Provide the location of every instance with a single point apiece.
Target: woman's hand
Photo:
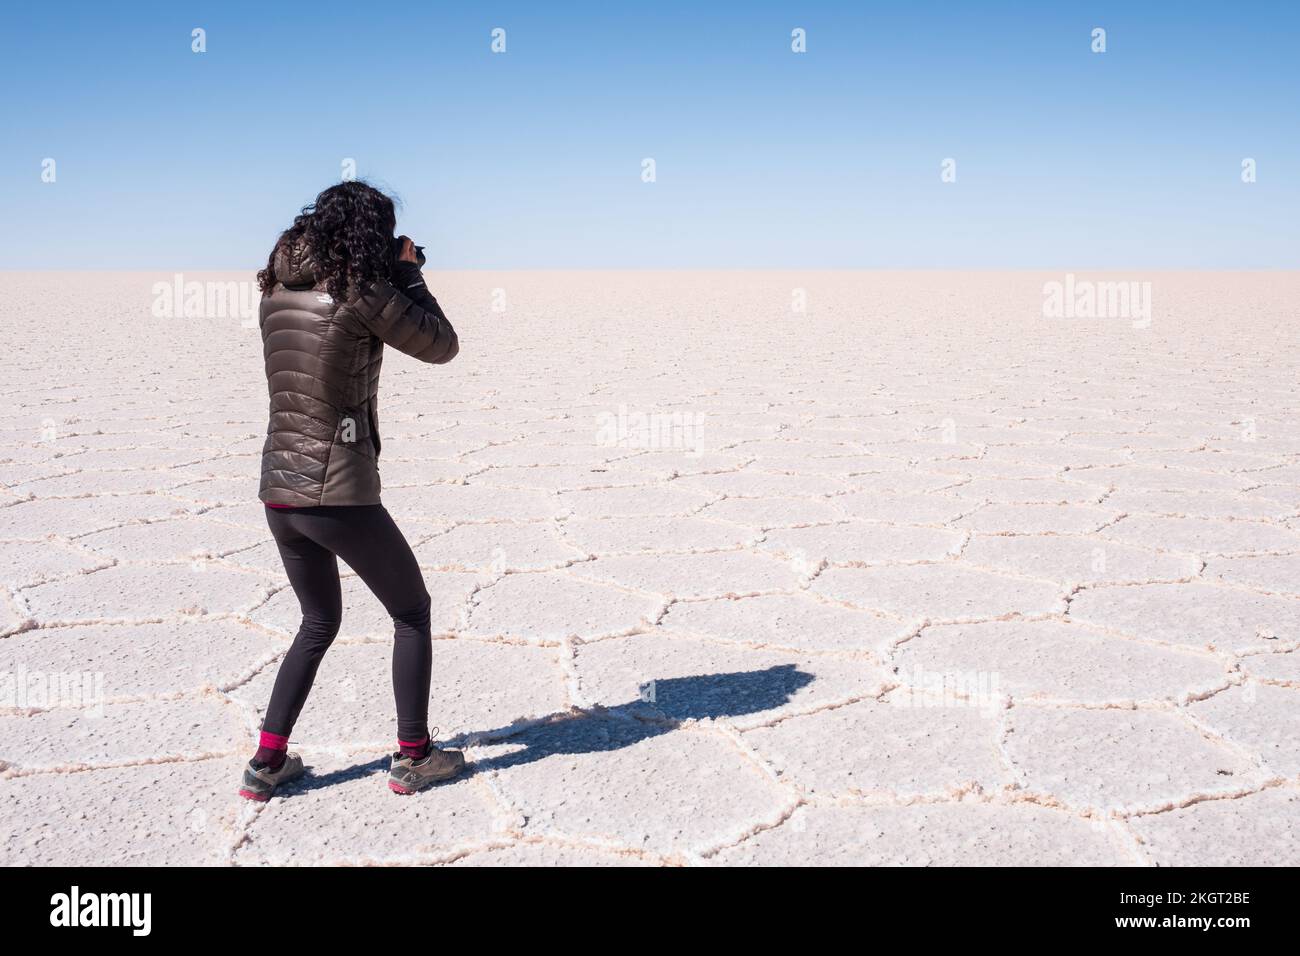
(408, 251)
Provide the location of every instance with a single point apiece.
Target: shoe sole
(256, 797)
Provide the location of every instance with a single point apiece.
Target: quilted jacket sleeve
(405, 315)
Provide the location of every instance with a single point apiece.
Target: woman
(337, 286)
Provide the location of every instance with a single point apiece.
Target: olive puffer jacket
(322, 370)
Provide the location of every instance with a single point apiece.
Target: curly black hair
(349, 232)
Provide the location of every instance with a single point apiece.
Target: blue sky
(167, 159)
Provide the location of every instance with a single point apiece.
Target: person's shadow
(663, 705)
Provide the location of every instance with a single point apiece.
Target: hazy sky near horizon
(764, 158)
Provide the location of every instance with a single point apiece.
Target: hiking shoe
(260, 784)
(409, 774)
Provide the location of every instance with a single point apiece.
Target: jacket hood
(295, 264)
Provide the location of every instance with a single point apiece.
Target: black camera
(397, 251)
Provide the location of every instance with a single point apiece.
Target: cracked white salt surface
(884, 490)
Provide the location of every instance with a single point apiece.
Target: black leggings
(310, 541)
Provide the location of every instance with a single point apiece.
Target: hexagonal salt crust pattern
(916, 576)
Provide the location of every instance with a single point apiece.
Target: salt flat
(914, 575)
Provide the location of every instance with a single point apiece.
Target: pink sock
(417, 750)
(271, 750)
